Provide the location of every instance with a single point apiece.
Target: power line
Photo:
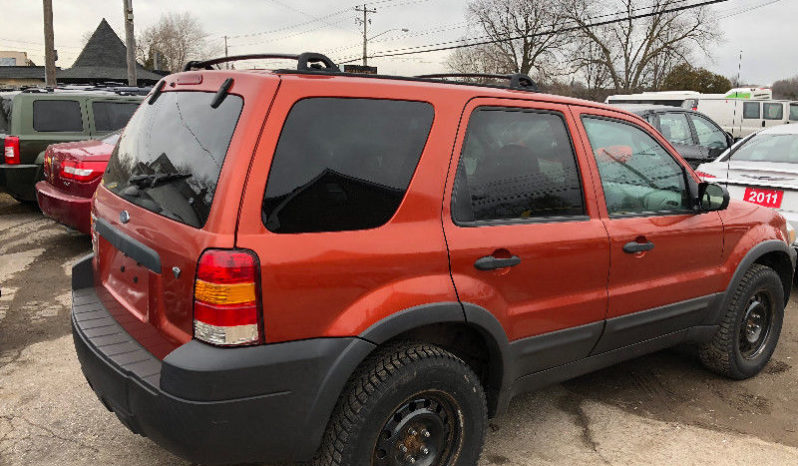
(444, 46)
(746, 10)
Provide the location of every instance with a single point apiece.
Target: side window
(751, 111)
(793, 112)
(516, 164)
(344, 164)
(675, 128)
(111, 116)
(773, 111)
(708, 134)
(50, 116)
(637, 174)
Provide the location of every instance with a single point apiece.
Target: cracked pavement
(658, 409)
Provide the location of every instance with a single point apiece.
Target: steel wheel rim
(424, 430)
(755, 325)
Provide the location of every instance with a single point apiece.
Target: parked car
(743, 117)
(761, 169)
(33, 119)
(697, 138)
(72, 172)
(362, 269)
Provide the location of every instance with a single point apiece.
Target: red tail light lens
(226, 298)
(704, 175)
(11, 150)
(81, 170)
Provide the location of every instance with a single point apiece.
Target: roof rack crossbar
(307, 61)
(516, 80)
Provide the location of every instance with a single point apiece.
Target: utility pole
(227, 64)
(366, 22)
(130, 43)
(49, 45)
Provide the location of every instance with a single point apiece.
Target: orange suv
(311, 265)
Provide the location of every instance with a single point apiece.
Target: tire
(397, 408)
(750, 328)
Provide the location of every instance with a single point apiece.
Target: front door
(666, 258)
(524, 243)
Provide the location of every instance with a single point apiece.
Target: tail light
(80, 170)
(11, 150)
(704, 175)
(226, 299)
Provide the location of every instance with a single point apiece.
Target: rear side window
(5, 115)
(793, 112)
(751, 110)
(111, 116)
(515, 165)
(344, 164)
(773, 111)
(170, 155)
(52, 116)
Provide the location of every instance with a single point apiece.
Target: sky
(763, 34)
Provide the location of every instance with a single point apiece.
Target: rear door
(171, 190)
(525, 239)
(665, 258)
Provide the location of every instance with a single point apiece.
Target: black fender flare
(749, 259)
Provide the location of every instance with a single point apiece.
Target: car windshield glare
(777, 148)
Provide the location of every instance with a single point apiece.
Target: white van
(741, 117)
(670, 98)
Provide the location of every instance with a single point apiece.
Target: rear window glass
(773, 111)
(52, 116)
(777, 148)
(344, 164)
(169, 158)
(110, 116)
(5, 115)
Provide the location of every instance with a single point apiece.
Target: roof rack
(307, 61)
(516, 80)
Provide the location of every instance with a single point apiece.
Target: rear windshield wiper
(156, 179)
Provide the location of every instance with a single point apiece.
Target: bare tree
(639, 53)
(518, 29)
(176, 38)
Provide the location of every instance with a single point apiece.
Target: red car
(309, 265)
(72, 172)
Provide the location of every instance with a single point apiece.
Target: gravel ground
(659, 409)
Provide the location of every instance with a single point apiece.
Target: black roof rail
(516, 80)
(307, 61)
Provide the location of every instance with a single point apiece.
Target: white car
(761, 169)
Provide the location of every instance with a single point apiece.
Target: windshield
(778, 148)
(112, 138)
(169, 158)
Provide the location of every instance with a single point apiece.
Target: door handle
(633, 247)
(493, 263)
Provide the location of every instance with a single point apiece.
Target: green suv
(31, 120)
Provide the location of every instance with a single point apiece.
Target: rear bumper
(19, 180)
(72, 211)
(207, 404)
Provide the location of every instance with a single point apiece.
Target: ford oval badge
(124, 216)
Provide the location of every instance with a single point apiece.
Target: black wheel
(409, 404)
(750, 328)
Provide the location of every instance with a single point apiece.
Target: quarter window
(751, 110)
(344, 164)
(516, 164)
(773, 111)
(57, 116)
(637, 174)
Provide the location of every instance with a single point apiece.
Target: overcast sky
(765, 34)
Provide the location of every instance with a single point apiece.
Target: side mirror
(712, 197)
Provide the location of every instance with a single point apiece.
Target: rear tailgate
(149, 230)
(772, 185)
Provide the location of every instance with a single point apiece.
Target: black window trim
(653, 213)
(584, 216)
(348, 97)
(81, 107)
